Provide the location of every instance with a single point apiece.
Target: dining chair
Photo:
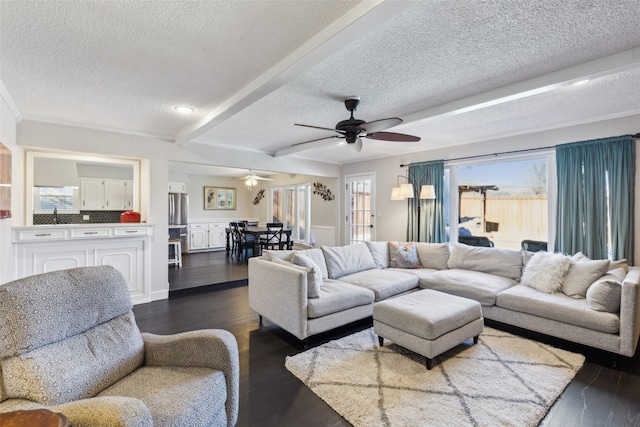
(245, 241)
(272, 239)
(235, 237)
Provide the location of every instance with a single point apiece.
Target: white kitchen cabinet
(41, 249)
(92, 194)
(177, 187)
(198, 237)
(106, 194)
(207, 236)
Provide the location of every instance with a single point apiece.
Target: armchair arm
(209, 348)
(112, 411)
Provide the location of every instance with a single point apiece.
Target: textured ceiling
(253, 69)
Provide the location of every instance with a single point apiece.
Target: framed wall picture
(219, 198)
(5, 182)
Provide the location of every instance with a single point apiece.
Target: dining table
(257, 231)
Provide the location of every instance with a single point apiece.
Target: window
(499, 203)
(65, 199)
(291, 205)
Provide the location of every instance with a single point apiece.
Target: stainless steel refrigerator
(179, 218)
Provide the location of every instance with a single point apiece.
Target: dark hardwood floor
(606, 391)
(206, 268)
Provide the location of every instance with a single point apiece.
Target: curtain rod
(636, 136)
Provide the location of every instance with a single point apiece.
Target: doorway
(360, 199)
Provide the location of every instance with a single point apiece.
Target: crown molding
(6, 96)
(91, 126)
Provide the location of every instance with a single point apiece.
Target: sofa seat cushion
(176, 395)
(384, 283)
(559, 307)
(482, 287)
(338, 296)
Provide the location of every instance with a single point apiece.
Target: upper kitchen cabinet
(106, 194)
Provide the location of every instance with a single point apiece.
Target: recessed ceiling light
(184, 109)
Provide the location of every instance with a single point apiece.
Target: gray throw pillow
(605, 295)
(343, 260)
(314, 280)
(582, 273)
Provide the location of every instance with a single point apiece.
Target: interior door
(360, 208)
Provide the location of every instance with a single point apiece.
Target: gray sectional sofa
(594, 303)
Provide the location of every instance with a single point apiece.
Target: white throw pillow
(313, 285)
(545, 272)
(582, 273)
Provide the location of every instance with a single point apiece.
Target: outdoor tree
(539, 178)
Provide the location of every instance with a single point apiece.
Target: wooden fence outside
(518, 218)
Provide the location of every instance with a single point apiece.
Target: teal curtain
(595, 197)
(431, 212)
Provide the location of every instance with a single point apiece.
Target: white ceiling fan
(252, 179)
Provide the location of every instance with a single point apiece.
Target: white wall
(393, 222)
(8, 118)
(195, 188)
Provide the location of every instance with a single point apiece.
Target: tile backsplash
(95, 217)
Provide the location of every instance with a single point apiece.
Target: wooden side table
(33, 418)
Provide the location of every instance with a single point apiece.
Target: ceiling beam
(362, 18)
(609, 65)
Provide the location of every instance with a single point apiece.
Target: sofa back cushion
(433, 255)
(380, 253)
(502, 262)
(343, 260)
(78, 367)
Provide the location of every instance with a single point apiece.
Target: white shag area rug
(504, 380)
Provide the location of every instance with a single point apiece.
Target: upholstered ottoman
(428, 322)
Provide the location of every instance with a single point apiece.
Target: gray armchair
(69, 343)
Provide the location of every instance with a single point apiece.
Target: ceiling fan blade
(307, 145)
(392, 136)
(318, 127)
(378, 125)
(314, 140)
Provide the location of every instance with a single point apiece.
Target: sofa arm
(279, 293)
(209, 348)
(630, 312)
